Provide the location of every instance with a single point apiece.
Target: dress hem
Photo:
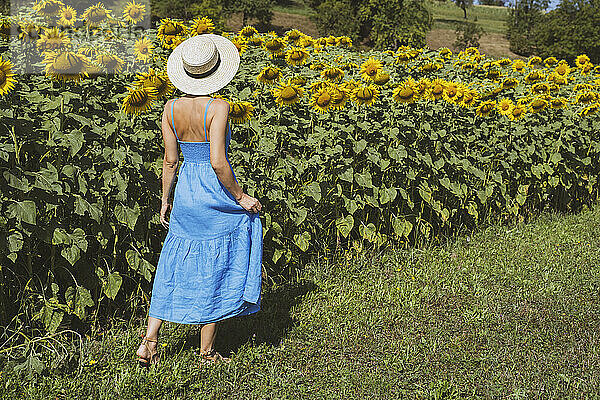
(248, 310)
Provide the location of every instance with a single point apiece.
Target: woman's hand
(250, 203)
(163, 214)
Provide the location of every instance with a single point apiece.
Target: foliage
(570, 30)
(385, 24)
(468, 35)
(81, 180)
(500, 3)
(523, 18)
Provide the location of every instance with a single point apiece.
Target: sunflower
(538, 104)
(157, 80)
(534, 76)
(505, 106)
(586, 97)
(30, 31)
(422, 87)
(293, 36)
(269, 75)
(540, 88)
(275, 46)
(248, 31)
(381, 78)
(171, 33)
(68, 16)
(430, 67)
(450, 91)
(470, 96)
(550, 61)
(339, 96)
(562, 69)
(534, 61)
(96, 14)
(296, 56)
(493, 74)
(403, 57)
(198, 26)
(48, 8)
(66, 65)
(306, 41)
(110, 63)
(344, 41)
(142, 49)
(133, 12)
(333, 74)
(240, 112)
(255, 41)
(365, 95)
(52, 39)
(586, 68)
(510, 83)
(138, 100)
(436, 89)
(486, 108)
(591, 109)
(558, 102)
(472, 51)
(370, 68)
(517, 112)
(241, 43)
(518, 65)
(406, 92)
(557, 79)
(88, 51)
(6, 27)
(350, 85)
(7, 80)
(445, 52)
(581, 60)
(322, 99)
(288, 93)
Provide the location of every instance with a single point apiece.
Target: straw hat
(203, 64)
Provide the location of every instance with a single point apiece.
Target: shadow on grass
(267, 326)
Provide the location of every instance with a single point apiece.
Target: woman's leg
(152, 333)
(208, 332)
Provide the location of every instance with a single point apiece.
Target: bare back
(188, 117)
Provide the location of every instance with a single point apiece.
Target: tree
(468, 35)
(384, 23)
(523, 17)
(464, 4)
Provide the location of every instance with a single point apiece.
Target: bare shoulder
(221, 105)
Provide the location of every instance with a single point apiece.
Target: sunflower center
(139, 98)
(406, 93)
(67, 63)
(2, 77)
(517, 111)
(172, 29)
(324, 99)
(97, 15)
(538, 104)
(271, 74)
(365, 94)
(289, 93)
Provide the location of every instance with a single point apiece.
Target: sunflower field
(344, 149)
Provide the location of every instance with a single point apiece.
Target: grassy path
(511, 312)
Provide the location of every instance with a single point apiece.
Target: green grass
(446, 14)
(509, 312)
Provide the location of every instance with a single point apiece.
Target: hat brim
(227, 69)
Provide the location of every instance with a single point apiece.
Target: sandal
(212, 357)
(154, 356)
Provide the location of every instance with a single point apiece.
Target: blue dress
(209, 268)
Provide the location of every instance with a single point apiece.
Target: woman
(209, 268)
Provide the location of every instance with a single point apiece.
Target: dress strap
(172, 120)
(205, 112)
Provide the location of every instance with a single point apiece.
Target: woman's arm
(218, 160)
(171, 158)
